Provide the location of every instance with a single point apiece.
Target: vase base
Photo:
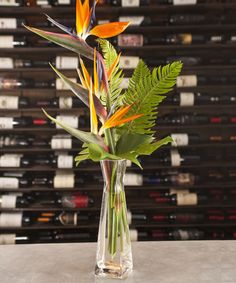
(112, 270)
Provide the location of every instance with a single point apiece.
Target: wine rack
(205, 107)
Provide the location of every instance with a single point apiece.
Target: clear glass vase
(114, 255)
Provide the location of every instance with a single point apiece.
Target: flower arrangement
(121, 122)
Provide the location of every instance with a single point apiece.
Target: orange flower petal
(79, 17)
(109, 30)
(120, 113)
(119, 122)
(113, 66)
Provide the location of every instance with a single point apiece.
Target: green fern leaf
(146, 91)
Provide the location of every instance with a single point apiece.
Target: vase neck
(113, 173)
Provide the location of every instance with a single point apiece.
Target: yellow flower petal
(95, 74)
(109, 30)
(112, 124)
(109, 73)
(85, 74)
(93, 115)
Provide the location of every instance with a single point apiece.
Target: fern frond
(146, 90)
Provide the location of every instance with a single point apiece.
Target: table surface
(154, 262)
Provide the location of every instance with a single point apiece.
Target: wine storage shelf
(222, 63)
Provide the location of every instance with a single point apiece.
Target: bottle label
(187, 199)
(184, 2)
(130, 3)
(64, 181)
(6, 41)
(60, 85)
(134, 20)
(9, 183)
(68, 218)
(132, 179)
(61, 142)
(129, 217)
(63, 2)
(6, 23)
(72, 121)
(183, 235)
(186, 99)
(175, 158)
(179, 139)
(6, 63)
(65, 102)
(133, 235)
(11, 219)
(216, 38)
(7, 239)
(9, 102)
(125, 83)
(65, 161)
(64, 62)
(76, 202)
(8, 201)
(130, 40)
(129, 62)
(6, 123)
(10, 160)
(186, 81)
(8, 3)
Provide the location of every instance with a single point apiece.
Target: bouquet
(122, 122)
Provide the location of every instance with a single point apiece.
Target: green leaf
(96, 153)
(81, 135)
(132, 157)
(67, 41)
(147, 149)
(146, 91)
(130, 141)
(82, 94)
(80, 158)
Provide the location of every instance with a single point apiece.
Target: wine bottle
(62, 102)
(15, 160)
(61, 85)
(15, 201)
(62, 2)
(12, 3)
(178, 234)
(180, 2)
(194, 80)
(75, 237)
(61, 161)
(60, 180)
(190, 99)
(66, 62)
(13, 239)
(14, 219)
(139, 20)
(13, 180)
(69, 201)
(130, 40)
(23, 83)
(136, 218)
(128, 3)
(10, 41)
(187, 60)
(178, 218)
(17, 141)
(11, 63)
(173, 158)
(136, 235)
(73, 121)
(132, 179)
(184, 139)
(13, 102)
(184, 119)
(11, 23)
(182, 199)
(185, 19)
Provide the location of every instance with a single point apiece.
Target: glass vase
(114, 255)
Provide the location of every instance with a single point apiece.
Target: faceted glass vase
(114, 255)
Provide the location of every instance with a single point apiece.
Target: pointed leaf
(70, 42)
(81, 135)
(147, 149)
(129, 142)
(60, 26)
(82, 94)
(132, 157)
(96, 153)
(109, 30)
